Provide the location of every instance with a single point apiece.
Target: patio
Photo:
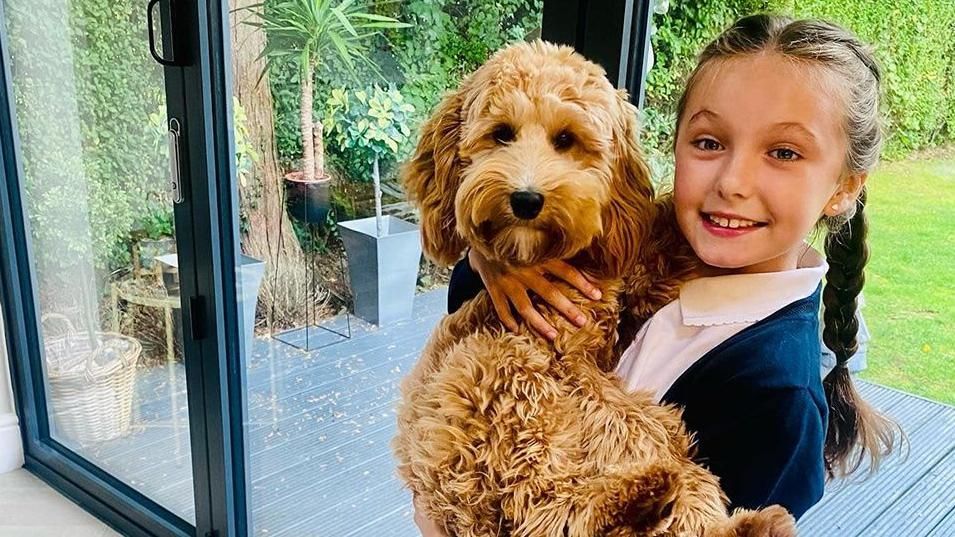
(321, 422)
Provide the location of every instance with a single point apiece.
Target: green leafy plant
(372, 124)
(450, 38)
(315, 34)
(158, 224)
(245, 159)
(368, 124)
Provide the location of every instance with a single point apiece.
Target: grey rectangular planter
(249, 275)
(383, 270)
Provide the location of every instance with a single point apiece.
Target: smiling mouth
(730, 223)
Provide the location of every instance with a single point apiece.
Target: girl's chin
(734, 263)
(729, 257)
(724, 263)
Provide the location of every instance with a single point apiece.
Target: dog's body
(509, 434)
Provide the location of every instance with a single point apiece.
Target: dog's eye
(563, 140)
(503, 134)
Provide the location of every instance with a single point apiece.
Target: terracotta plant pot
(308, 201)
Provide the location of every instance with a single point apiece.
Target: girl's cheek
(684, 203)
(687, 184)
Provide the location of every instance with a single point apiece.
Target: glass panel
(321, 384)
(91, 112)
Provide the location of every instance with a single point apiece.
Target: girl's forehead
(769, 88)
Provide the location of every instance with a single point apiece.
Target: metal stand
(291, 337)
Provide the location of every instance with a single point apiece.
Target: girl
(777, 131)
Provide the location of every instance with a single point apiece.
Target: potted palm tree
(316, 34)
(383, 251)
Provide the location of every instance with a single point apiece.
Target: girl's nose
(737, 178)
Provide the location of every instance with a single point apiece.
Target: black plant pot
(308, 201)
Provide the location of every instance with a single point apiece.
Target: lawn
(910, 302)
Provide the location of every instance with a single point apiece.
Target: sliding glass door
(106, 204)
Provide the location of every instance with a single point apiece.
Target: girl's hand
(510, 286)
(427, 526)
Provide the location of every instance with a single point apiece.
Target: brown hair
(855, 428)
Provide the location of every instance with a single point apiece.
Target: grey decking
(911, 495)
(319, 426)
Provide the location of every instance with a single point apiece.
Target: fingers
(508, 287)
(525, 308)
(502, 306)
(574, 277)
(552, 295)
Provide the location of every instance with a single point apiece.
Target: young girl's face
(760, 156)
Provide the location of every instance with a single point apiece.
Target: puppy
(535, 158)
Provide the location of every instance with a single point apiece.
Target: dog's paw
(773, 521)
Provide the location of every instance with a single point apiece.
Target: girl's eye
(784, 154)
(503, 134)
(707, 144)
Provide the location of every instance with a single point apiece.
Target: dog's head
(533, 158)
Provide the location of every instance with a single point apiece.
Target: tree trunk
(318, 137)
(377, 179)
(308, 145)
(285, 291)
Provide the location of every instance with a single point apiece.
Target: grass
(910, 300)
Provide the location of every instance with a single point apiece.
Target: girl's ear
(432, 176)
(845, 197)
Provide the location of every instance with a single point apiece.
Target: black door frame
(615, 33)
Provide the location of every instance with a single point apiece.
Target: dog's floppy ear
(627, 218)
(432, 176)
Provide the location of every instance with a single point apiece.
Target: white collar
(748, 298)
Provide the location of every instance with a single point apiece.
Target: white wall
(11, 450)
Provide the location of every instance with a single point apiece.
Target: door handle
(171, 61)
(175, 175)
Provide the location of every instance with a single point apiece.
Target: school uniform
(741, 355)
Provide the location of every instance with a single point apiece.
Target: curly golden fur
(508, 434)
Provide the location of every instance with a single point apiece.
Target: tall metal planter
(383, 269)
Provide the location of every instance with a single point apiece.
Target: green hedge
(87, 96)
(914, 44)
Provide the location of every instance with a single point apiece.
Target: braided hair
(855, 428)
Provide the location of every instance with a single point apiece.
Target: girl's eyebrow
(797, 128)
(702, 114)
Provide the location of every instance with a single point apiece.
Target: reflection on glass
(92, 125)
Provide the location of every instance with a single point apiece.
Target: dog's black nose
(526, 205)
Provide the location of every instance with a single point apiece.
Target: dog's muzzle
(526, 204)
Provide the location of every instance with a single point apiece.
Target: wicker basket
(89, 387)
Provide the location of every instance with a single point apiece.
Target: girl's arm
(768, 449)
(426, 526)
(464, 285)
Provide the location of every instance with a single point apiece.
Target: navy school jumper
(755, 404)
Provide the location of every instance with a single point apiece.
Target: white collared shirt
(708, 312)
